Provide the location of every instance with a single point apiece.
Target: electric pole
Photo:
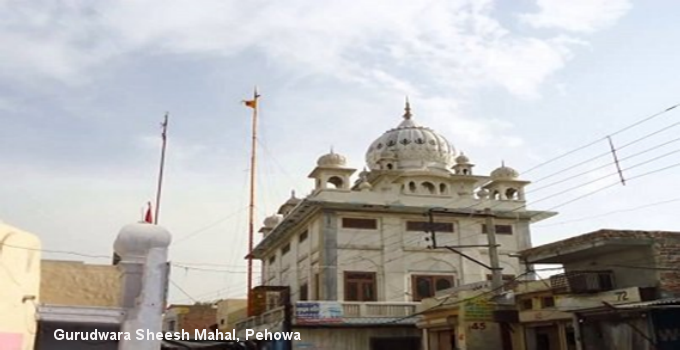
(492, 245)
(496, 270)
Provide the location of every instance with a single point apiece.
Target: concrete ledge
(81, 314)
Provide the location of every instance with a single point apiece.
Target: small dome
(365, 186)
(332, 160)
(135, 240)
(462, 159)
(293, 201)
(363, 175)
(272, 221)
(504, 173)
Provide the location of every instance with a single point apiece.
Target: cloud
(584, 16)
(442, 45)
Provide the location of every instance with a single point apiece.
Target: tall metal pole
(496, 275)
(251, 207)
(164, 135)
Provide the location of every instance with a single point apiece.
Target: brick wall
(667, 255)
(198, 317)
(664, 264)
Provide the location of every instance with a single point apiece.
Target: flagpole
(162, 166)
(251, 206)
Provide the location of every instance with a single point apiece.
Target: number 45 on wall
(478, 326)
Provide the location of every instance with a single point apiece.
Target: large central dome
(409, 146)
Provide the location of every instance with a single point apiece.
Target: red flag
(148, 218)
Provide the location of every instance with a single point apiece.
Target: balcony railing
(582, 282)
(377, 309)
(269, 317)
(354, 313)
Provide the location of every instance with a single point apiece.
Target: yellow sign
(478, 310)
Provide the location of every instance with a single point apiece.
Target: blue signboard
(318, 312)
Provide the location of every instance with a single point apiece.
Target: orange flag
(252, 103)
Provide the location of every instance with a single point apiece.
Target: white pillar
(147, 314)
(143, 250)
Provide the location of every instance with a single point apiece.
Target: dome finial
(407, 109)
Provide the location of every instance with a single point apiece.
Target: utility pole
(496, 270)
(251, 207)
(164, 136)
(492, 245)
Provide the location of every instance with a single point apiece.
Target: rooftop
(589, 244)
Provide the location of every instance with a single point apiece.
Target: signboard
(466, 287)
(318, 312)
(478, 310)
(614, 297)
(543, 315)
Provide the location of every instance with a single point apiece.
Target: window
(526, 304)
(303, 236)
(304, 292)
(366, 224)
(317, 287)
(360, 286)
(424, 226)
(424, 286)
(429, 187)
(547, 302)
(285, 249)
(171, 326)
(272, 260)
(500, 229)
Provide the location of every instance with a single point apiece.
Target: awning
(668, 302)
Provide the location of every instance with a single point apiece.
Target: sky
(84, 86)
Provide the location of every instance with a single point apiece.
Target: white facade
(374, 225)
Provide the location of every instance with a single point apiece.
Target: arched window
(429, 187)
(511, 193)
(442, 188)
(336, 181)
(412, 186)
(389, 166)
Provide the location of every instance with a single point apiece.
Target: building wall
(391, 251)
(640, 266)
(230, 311)
(190, 318)
(348, 338)
(19, 287)
(78, 284)
(667, 254)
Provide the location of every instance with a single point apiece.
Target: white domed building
(362, 241)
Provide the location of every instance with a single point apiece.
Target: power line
(601, 139)
(605, 165)
(613, 212)
(205, 228)
(183, 291)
